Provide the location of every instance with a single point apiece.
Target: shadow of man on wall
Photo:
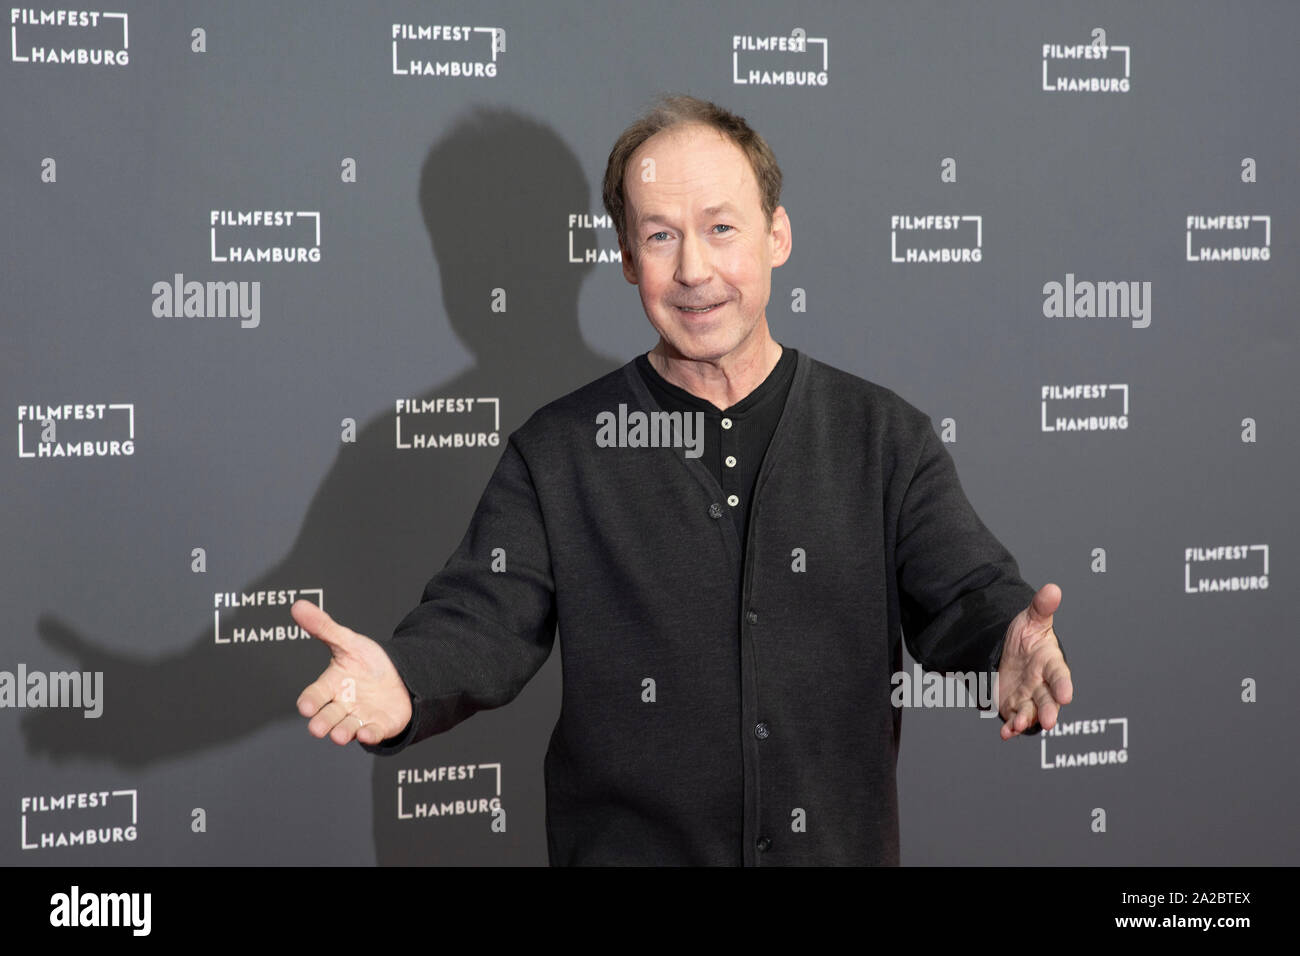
(495, 192)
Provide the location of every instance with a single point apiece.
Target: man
(726, 682)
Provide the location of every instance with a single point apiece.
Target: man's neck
(722, 383)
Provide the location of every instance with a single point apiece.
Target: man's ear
(629, 264)
(781, 237)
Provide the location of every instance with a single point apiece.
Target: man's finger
(1045, 603)
(1028, 714)
(324, 721)
(1011, 705)
(1057, 676)
(316, 696)
(1046, 705)
(1020, 721)
(346, 729)
(320, 625)
(372, 734)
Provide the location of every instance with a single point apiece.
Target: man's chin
(704, 348)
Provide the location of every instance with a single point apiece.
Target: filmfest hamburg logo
(795, 59)
(266, 610)
(1217, 238)
(916, 228)
(446, 51)
(68, 37)
(427, 793)
(434, 427)
(93, 818)
(88, 430)
(1227, 567)
(1095, 67)
(1084, 408)
(588, 249)
(264, 235)
(1084, 743)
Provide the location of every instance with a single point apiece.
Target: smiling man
(731, 620)
(700, 244)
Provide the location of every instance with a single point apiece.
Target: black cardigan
(706, 719)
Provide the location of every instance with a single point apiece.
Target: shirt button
(763, 844)
(726, 423)
(731, 461)
(761, 731)
(715, 510)
(733, 500)
(752, 617)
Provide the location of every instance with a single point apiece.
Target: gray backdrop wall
(181, 467)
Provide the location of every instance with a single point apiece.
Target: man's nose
(693, 265)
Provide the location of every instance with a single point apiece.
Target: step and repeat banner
(282, 278)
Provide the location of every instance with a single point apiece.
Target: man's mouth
(700, 310)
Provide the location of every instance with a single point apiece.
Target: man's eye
(657, 234)
(721, 225)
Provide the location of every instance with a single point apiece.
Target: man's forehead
(694, 165)
(690, 150)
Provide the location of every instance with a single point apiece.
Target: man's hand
(360, 694)
(1033, 679)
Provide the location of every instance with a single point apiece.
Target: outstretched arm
(484, 626)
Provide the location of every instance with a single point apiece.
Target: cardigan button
(763, 844)
(715, 510)
(761, 731)
(752, 617)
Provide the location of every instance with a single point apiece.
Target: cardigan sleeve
(958, 587)
(486, 622)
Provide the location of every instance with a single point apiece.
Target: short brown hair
(668, 112)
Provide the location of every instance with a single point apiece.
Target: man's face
(698, 238)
